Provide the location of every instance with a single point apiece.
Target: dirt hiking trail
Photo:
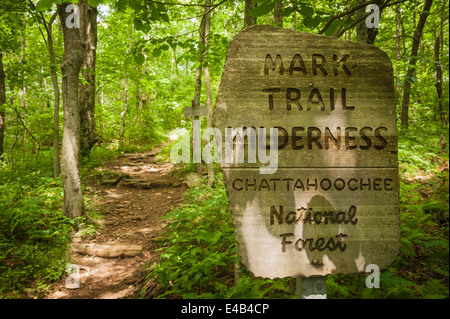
(134, 192)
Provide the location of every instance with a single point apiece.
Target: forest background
(72, 98)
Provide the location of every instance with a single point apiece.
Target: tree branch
(182, 4)
(24, 126)
(209, 11)
(332, 18)
(385, 5)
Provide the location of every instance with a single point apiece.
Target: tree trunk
(124, 113)
(13, 144)
(438, 49)
(210, 166)
(70, 68)
(22, 88)
(294, 19)
(438, 73)
(198, 86)
(249, 20)
(277, 13)
(397, 49)
(125, 102)
(2, 108)
(361, 29)
(397, 33)
(56, 167)
(174, 68)
(412, 62)
(88, 34)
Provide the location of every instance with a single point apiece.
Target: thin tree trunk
(70, 68)
(56, 167)
(438, 73)
(208, 88)
(13, 144)
(438, 50)
(277, 13)
(2, 103)
(248, 19)
(294, 19)
(412, 62)
(361, 29)
(125, 101)
(174, 68)
(124, 113)
(56, 92)
(397, 33)
(22, 89)
(86, 92)
(198, 82)
(397, 47)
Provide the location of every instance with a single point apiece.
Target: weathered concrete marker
(195, 111)
(332, 205)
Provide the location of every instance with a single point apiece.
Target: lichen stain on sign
(332, 204)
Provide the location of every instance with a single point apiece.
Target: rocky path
(135, 191)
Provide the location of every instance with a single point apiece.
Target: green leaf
(157, 52)
(139, 58)
(43, 5)
(190, 295)
(138, 24)
(288, 11)
(94, 3)
(172, 42)
(306, 10)
(127, 61)
(165, 17)
(310, 23)
(121, 4)
(262, 9)
(330, 30)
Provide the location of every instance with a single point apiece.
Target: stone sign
(322, 196)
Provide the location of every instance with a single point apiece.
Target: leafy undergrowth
(198, 253)
(34, 233)
(421, 270)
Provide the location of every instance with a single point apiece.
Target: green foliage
(199, 251)
(263, 8)
(98, 156)
(42, 5)
(201, 241)
(34, 233)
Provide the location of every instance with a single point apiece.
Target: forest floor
(138, 192)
